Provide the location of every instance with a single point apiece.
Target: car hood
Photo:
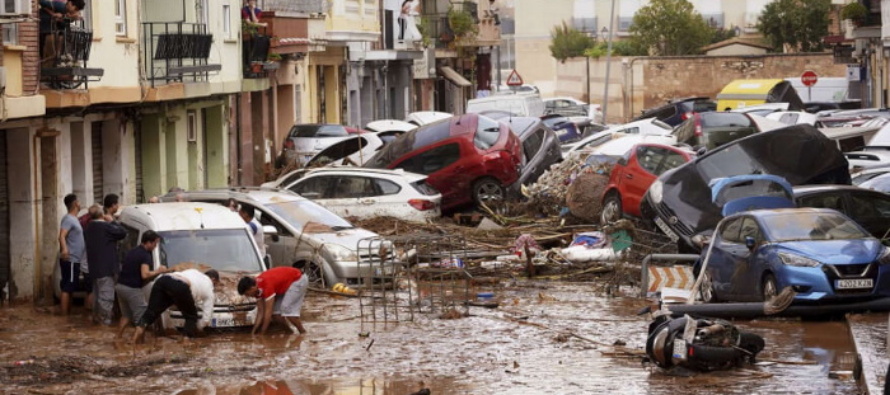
(227, 290)
(348, 238)
(836, 252)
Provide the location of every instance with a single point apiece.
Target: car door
(721, 264)
(638, 175)
(282, 246)
(871, 211)
(749, 264)
(532, 149)
(447, 172)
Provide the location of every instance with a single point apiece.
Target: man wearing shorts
(135, 271)
(187, 290)
(72, 250)
(281, 290)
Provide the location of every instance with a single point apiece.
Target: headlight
(884, 259)
(341, 253)
(656, 191)
(797, 260)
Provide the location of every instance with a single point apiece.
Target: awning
(454, 77)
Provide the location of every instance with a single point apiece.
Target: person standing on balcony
(52, 18)
(407, 21)
(250, 13)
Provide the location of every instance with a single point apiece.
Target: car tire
(768, 287)
(488, 190)
(315, 273)
(612, 210)
(707, 289)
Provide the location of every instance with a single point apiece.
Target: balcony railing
(64, 54)
(291, 33)
(177, 52)
(255, 53)
(295, 6)
(435, 27)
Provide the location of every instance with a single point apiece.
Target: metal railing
(65, 51)
(255, 53)
(177, 51)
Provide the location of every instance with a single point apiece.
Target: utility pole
(608, 62)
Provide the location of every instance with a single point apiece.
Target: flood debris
(66, 369)
(700, 344)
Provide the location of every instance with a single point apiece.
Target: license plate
(679, 349)
(222, 322)
(854, 283)
(664, 228)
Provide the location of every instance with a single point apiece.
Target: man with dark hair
(280, 291)
(102, 235)
(71, 251)
(135, 271)
(95, 211)
(53, 15)
(248, 214)
(187, 290)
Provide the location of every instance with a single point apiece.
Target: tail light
(686, 115)
(289, 144)
(422, 204)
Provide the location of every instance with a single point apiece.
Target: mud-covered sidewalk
(544, 338)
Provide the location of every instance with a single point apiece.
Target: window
(87, 14)
(823, 201)
(869, 207)
(314, 187)
(386, 187)
(120, 17)
(227, 21)
(730, 232)
(750, 229)
(673, 160)
(650, 158)
(10, 33)
(354, 187)
(432, 160)
(202, 11)
(532, 144)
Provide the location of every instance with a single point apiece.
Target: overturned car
(680, 201)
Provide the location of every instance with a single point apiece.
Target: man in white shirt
(187, 290)
(248, 214)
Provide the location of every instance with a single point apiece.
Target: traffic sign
(514, 79)
(809, 78)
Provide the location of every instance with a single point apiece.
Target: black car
(676, 111)
(869, 208)
(679, 201)
(713, 129)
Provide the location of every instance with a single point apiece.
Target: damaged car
(540, 147)
(200, 236)
(469, 158)
(679, 201)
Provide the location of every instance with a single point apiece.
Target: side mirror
(750, 242)
(270, 230)
(701, 151)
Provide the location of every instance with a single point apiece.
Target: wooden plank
(869, 333)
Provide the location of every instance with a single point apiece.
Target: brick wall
(638, 83)
(28, 36)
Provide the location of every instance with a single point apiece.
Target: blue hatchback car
(822, 254)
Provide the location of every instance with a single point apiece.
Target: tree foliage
(567, 42)
(795, 25)
(722, 35)
(619, 48)
(670, 28)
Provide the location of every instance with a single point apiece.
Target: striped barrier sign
(677, 276)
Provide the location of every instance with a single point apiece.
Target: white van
(203, 234)
(520, 104)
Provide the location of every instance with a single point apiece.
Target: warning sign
(514, 79)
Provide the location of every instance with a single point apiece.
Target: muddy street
(544, 338)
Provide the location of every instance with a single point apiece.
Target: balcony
(177, 52)
(466, 24)
(65, 55)
(291, 32)
(304, 7)
(255, 53)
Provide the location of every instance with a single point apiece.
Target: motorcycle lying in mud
(699, 344)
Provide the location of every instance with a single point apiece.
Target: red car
(468, 158)
(634, 173)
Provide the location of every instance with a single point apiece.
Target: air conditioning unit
(22, 8)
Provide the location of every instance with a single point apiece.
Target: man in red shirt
(281, 291)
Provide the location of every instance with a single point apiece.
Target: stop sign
(809, 78)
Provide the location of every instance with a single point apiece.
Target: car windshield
(222, 249)
(309, 217)
(704, 106)
(318, 131)
(802, 226)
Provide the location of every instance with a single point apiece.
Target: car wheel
(769, 288)
(488, 190)
(612, 210)
(707, 289)
(313, 270)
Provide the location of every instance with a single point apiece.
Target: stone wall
(642, 82)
